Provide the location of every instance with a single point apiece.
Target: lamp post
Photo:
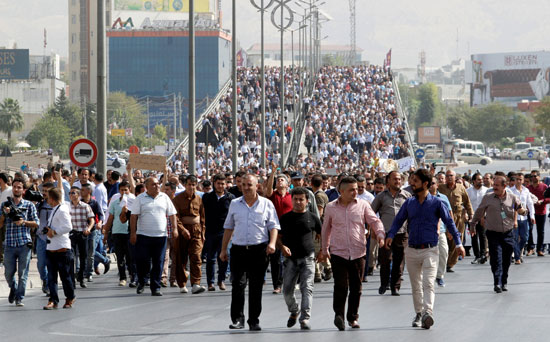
(262, 9)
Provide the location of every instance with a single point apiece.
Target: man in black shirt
(237, 189)
(296, 243)
(216, 206)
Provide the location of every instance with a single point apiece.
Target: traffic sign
(419, 153)
(530, 154)
(133, 149)
(83, 152)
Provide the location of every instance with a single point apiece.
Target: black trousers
(150, 259)
(530, 242)
(123, 256)
(247, 263)
(391, 262)
(276, 269)
(501, 247)
(79, 244)
(348, 276)
(479, 241)
(60, 263)
(540, 220)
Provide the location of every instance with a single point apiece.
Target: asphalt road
(467, 309)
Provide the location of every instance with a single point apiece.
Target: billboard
(429, 135)
(508, 77)
(14, 64)
(201, 6)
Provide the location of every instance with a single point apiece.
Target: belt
(62, 250)
(261, 245)
(423, 246)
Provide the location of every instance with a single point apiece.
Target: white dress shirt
(476, 195)
(60, 221)
(367, 196)
(525, 198)
(101, 197)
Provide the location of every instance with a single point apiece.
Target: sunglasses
(370, 183)
(73, 193)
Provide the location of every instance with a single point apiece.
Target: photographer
(19, 216)
(59, 257)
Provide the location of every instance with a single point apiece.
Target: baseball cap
(296, 175)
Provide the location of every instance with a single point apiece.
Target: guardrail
(184, 144)
(403, 112)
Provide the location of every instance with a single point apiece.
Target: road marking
(196, 320)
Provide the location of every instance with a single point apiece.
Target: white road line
(196, 320)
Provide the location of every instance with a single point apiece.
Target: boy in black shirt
(295, 240)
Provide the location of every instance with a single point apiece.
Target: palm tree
(10, 117)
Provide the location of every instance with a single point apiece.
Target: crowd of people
(304, 228)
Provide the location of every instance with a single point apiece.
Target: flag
(387, 61)
(45, 41)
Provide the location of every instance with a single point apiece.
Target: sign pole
(101, 90)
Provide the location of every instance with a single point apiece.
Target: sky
(405, 26)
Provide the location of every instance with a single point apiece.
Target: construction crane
(352, 35)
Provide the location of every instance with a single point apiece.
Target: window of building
(73, 76)
(73, 38)
(73, 19)
(73, 2)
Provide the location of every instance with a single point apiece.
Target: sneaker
(50, 306)
(440, 282)
(304, 325)
(164, 283)
(475, 261)
(132, 284)
(90, 279)
(19, 303)
(417, 321)
(427, 321)
(173, 284)
(69, 303)
(518, 262)
(122, 283)
(197, 289)
(184, 289)
(83, 285)
(140, 288)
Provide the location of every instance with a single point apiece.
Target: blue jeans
(94, 257)
(17, 258)
(213, 247)
(521, 234)
(41, 258)
(304, 269)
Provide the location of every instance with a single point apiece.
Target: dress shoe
(354, 325)
(50, 306)
(83, 285)
(497, 289)
(173, 284)
(96, 270)
(292, 320)
(504, 287)
(132, 284)
(156, 293)
(45, 288)
(164, 283)
(370, 271)
(476, 261)
(89, 279)
(317, 279)
(11, 297)
(381, 290)
(140, 289)
(69, 303)
(395, 292)
(221, 285)
(254, 327)
(518, 262)
(540, 253)
(450, 270)
(277, 291)
(328, 275)
(211, 287)
(530, 252)
(236, 325)
(107, 267)
(339, 323)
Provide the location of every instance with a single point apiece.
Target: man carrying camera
(19, 216)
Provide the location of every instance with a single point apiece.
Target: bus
(463, 146)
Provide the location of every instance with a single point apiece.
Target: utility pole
(180, 114)
(282, 99)
(191, 119)
(234, 95)
(85, 119)
(101, 90)
(175, 121)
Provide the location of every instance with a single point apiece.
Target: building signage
(123, 24)
(14, 64)
(200, 23)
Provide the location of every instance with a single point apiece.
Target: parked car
(523, 154)
(506, 153)
(493, 152)
(474, 158)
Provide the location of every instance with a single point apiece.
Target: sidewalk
(33, 280)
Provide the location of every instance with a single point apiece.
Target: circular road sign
(133, 149)
(420, 153)
(530, 154)
(83, 152)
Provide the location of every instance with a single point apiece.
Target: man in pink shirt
(344, 242)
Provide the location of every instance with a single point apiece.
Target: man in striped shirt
(83, 220)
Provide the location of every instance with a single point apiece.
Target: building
(272, 53)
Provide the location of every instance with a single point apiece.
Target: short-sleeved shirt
(118, 227)
(283, 204)
(251, 225)
(152, 213)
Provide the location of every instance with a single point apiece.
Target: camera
(14, 214)
(58, 166)
(33, 196)
(45, 231)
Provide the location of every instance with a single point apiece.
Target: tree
(51, 132)
(10, 113)
(159, 132)
(71, 114)
(429, 104)
(542, 114)
(125, 112)
(458, 120)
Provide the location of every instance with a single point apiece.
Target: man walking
(150, 212)
(521, 234)
(253, 224)
(537, 188)
(343, 238)
(423, 212)
(20, 217)
(479, 239)
(296, 243)
(216, 206)
(499, 209)
(83, 219)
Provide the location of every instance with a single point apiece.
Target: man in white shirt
(100, 193)
(150, 212)
(59, 256)
(479, 239)
(521, 234)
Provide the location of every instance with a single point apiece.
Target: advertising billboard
(201, 6)
(508, 77)
(429, 135)
(14, 64)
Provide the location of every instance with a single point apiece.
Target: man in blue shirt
(422, 212)
(18, 242)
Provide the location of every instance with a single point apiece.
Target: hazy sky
(405, 26)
